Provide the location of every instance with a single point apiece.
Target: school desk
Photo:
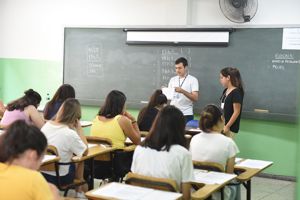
(93, 151)
(85, 123)
(192, 131)
(209, 182)
(246, 169)
(124, 191)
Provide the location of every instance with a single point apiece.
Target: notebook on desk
(48, 157)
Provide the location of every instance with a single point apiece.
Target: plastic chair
(51, 150)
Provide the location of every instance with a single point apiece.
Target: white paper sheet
(169, 92)
(85, 123)
(157, 194)
(194, 130)
(210, 177)
(92, 145)
(48, 157)
(238, 160)
(128, 140)
(256, 164)
(291, 38)
(122, 191)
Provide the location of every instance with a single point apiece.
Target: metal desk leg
(91, 177)
(247, 185)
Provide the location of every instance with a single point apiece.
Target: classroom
(32, 56)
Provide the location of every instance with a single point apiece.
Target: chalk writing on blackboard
(167, 61)
(94, 60)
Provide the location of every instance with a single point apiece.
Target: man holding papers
(186, 89)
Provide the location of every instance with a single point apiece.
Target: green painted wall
(257, 139)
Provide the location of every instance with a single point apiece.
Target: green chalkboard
(97, 60)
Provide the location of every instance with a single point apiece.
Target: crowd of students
(163, 153)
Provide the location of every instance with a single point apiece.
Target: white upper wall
(33, 29)
(276, 13)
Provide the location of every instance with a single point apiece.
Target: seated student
(163, 153)
(147, 115)
(114, 122)
(66, 134)
(212, 146)
(63, 92)
(22, 149)
(24, 108)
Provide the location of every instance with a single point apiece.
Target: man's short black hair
(182, 60)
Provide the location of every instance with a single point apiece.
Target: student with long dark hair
(147, 115)
(211, 145)
(114, 122)
(66, 134)
(163, 153)
(22, 149)
(24, 108)
(64, 92)
(231, 99)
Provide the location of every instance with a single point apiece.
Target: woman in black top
(231, 99)
(148, 113)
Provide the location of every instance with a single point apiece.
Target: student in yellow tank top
(114, 122)
(22, 149)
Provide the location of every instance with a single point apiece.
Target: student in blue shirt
(64, 92)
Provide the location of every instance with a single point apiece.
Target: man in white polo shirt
(186, 89)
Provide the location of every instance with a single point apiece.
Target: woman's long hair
(168, 129)
(64, 92)
(157, 99)
(113, 105)
(235, 77)
(31, 97)
(69, 112)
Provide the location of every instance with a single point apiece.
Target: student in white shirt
(66, 134)
(163, 153)
(210, 145)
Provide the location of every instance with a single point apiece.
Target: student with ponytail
(24, 108)
(231, 99)
(212, 146)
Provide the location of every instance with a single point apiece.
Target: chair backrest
(151, 182)
(98, 140)
(210, 166)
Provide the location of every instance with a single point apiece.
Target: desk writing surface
(256, 164)
(123, 191)
(98, 60)
(211, 177)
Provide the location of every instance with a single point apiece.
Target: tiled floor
(270, 189)
(262, 189)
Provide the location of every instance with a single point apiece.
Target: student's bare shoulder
(30, 108)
